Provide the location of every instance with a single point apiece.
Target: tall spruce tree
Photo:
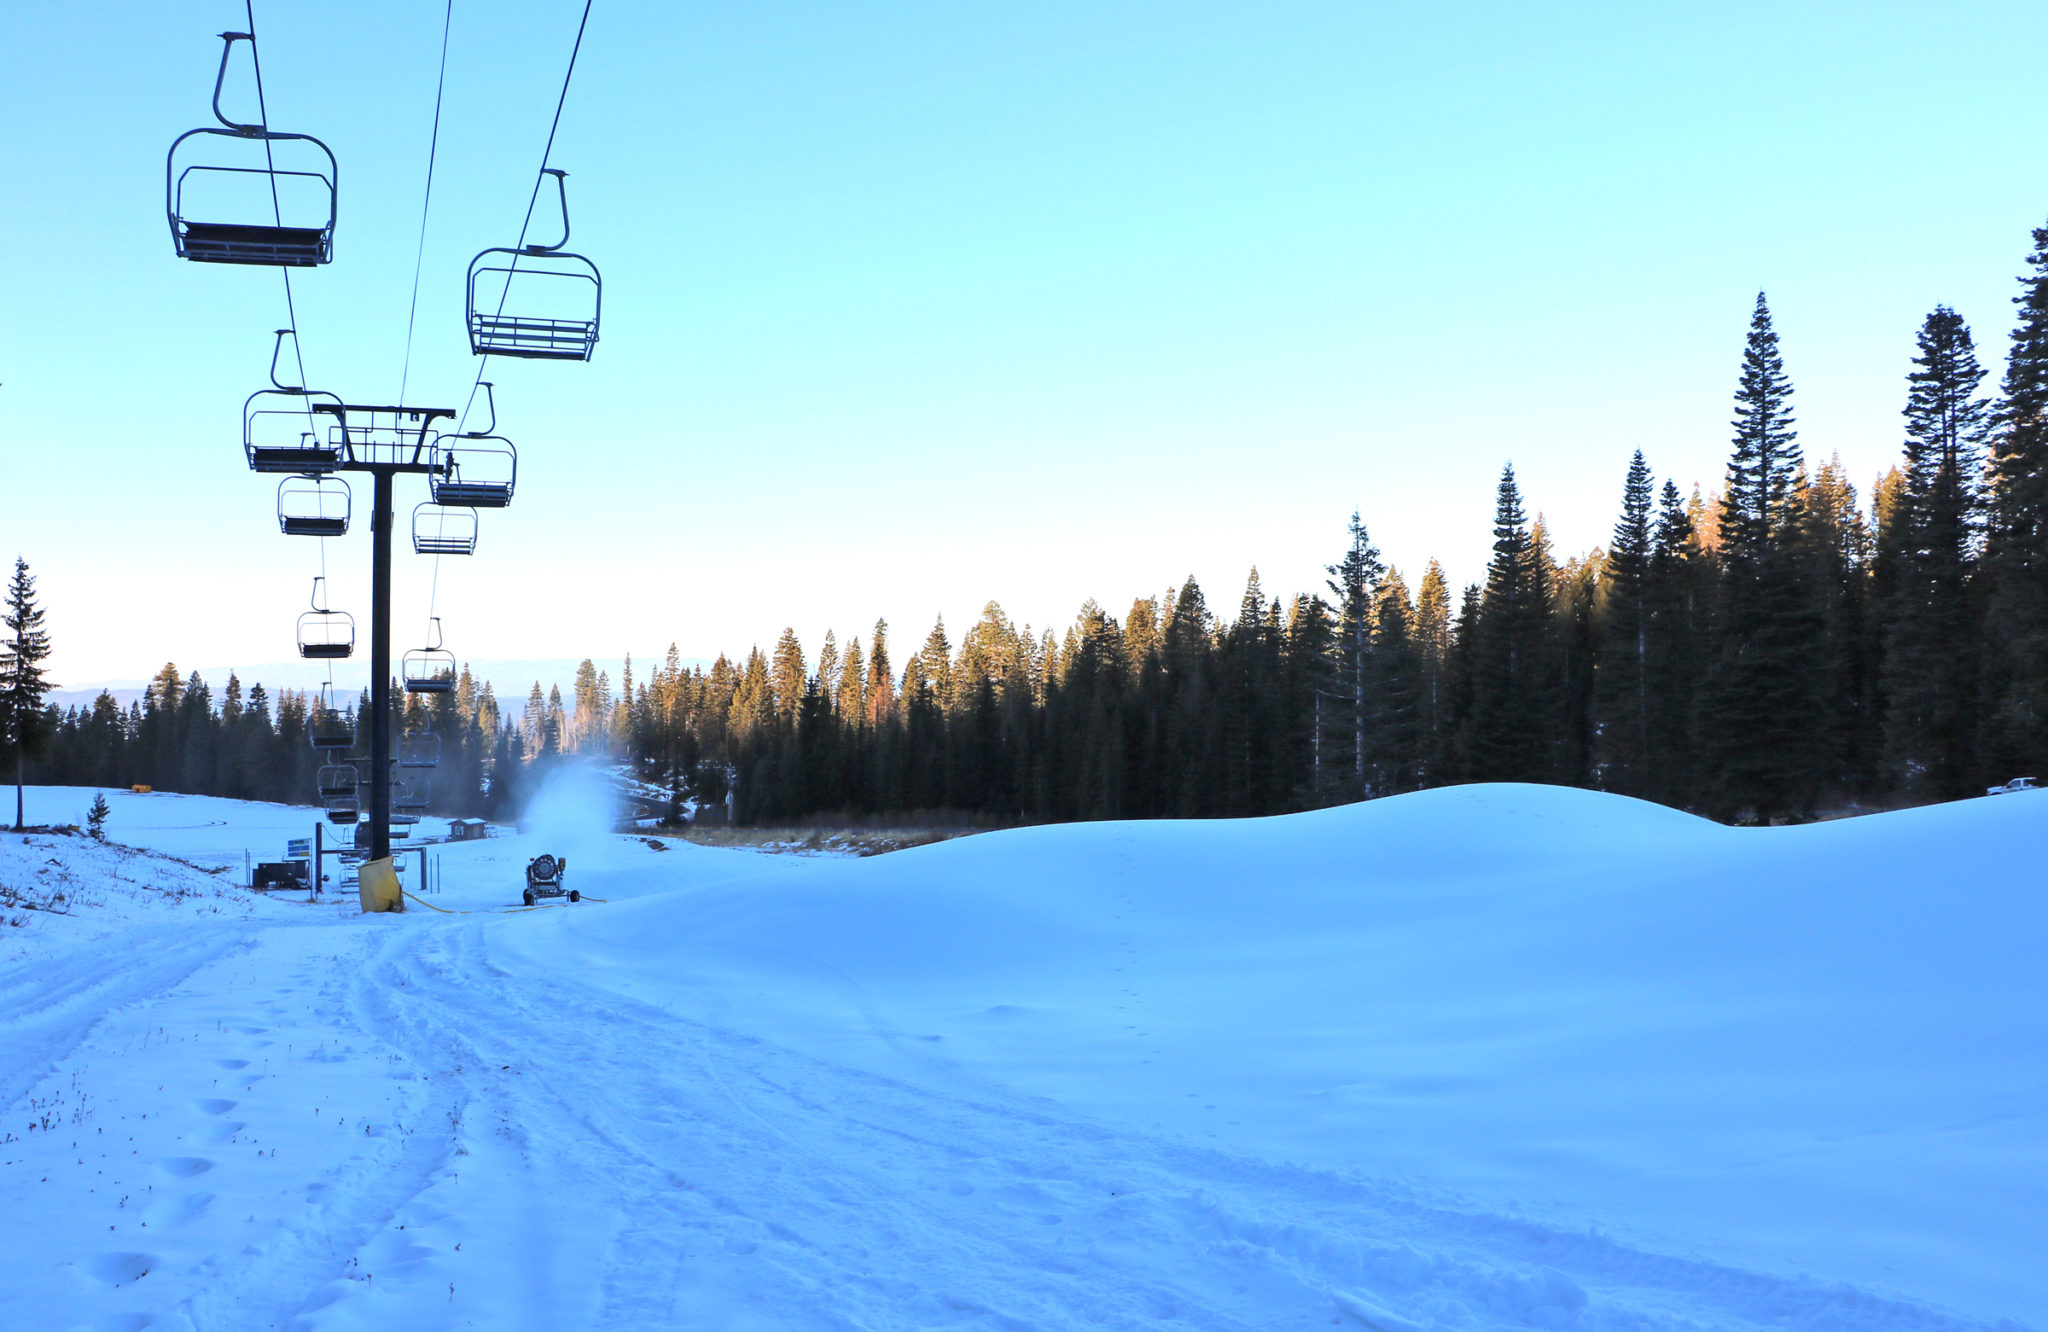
(1927, 546)
(1354, 579)
(24, 730)
(2014, 728)
(1622, 687)
(1766, 740)
(1512, 731)
(1679, 590)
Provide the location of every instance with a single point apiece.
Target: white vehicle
(2016, 784)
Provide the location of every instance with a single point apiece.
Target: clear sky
(912, 306)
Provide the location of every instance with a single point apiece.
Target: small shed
(468, 830)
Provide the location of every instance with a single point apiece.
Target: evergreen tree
(24, 728)
(1353, 580)
(1679, 590)
(1433, 650)
(1512, 732)
(1623, 687)
(2014, 725)
(1766, 737)
(96, 817)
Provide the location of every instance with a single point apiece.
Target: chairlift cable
(533, 200)
(276, 208)
(433, 148)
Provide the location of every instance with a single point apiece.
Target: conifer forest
(1766, 649)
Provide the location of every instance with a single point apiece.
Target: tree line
(1758, 652)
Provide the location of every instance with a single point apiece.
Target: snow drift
(1481, 1057)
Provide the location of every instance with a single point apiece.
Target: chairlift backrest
(229, 201)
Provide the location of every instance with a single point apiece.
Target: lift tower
(385, 442)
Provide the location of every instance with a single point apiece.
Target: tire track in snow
(47, 1012)
(730, 1175)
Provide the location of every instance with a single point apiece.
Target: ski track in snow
(307, 1119)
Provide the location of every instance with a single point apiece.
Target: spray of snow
(573, 815)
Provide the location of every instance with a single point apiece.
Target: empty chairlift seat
(429, 669)
(333, 730)
(284, 427)
(409, 797)
(538, 302)
(313, 506)
(337, 780)
(442, 529)
(247, 194)
(344, 811)
(325, 635)
(419, 751)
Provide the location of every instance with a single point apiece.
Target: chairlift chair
(344, 811)
(216, 200)
(281, 431)
(539, 302)
(333, 730)
(313, 506)
(410, 796)
(429, 669)
(478, 467)
(420, 751)
(441, 529)
(336, 780)
(325, 635)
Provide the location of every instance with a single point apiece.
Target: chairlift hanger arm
(228, 40)
(562, 192)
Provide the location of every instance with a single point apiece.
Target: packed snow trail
(292, 1116)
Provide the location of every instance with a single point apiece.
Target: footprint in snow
(231, 1064)
(184, 1167)
(179, 1210)
(225, 1131)
(215, 1106)
(249, 1031)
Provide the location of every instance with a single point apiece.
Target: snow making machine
(544, 879)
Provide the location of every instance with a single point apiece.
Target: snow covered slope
(1484, 1057)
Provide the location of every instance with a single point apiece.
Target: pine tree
(1512, 731)
(1623, 684)
(1758, 508)
(787, 676)
(1433, 650)
(1837, 550)
(1396, 677)
(24, 730)
(96, 817)
(1353, 580)
(1766, 737)
(2014, 723)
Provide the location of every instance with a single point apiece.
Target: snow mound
(1799, 1049)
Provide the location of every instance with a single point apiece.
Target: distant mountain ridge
(510, 679)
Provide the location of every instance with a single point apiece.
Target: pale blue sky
(913, 306)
